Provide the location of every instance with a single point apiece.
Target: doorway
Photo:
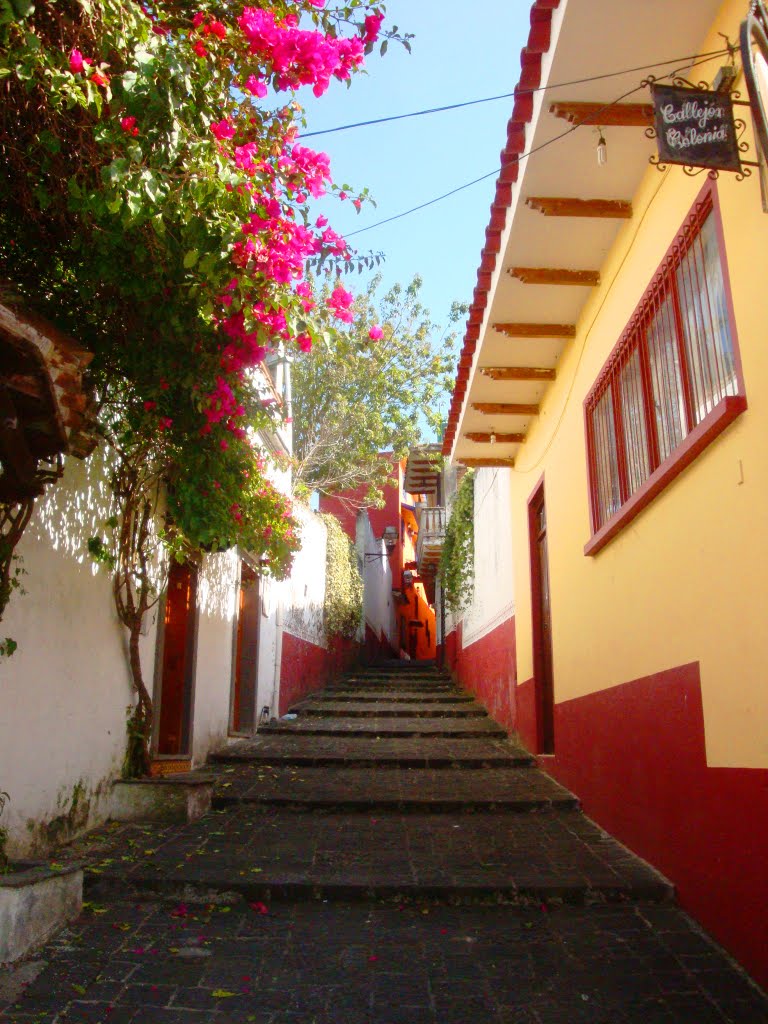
(246, 655)
(542, 622)
(174, 724)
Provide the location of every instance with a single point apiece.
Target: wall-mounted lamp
(602, 149)
(390, 538)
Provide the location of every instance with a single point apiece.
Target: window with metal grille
(672, 382)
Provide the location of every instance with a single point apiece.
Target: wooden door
(542, 624)
(174, 732)
(246, 653)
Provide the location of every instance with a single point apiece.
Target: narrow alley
(358, 867)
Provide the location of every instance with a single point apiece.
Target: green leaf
(191, 258)
(116, 171)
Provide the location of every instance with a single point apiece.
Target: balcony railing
(429, 546)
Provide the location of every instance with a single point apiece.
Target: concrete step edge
(105, 884)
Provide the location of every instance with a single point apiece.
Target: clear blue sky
(462, 51)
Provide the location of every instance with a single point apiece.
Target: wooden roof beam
(534, 373)
(506, 408)
(517, 330)
(553, 275)
(605, 115)
(494, 438)
(556, 206)
(480, 463)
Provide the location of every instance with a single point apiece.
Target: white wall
(378, 609)
(493, 600)
(65, 691)
(294, 606)
(217, 594)
(303, 593)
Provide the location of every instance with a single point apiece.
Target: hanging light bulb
(602, 150)
(493, 437)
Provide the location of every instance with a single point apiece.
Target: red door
(246, 653)
(174, 726)
(542, 624)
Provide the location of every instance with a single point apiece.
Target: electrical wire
(509, 95)
(536, 149)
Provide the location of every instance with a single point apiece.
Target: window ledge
(700, 437)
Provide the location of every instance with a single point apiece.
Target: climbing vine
(343, 583)
(457, 565)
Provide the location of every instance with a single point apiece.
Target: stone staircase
(390, 783)
(387, 856)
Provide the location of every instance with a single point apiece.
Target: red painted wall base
(487, 668)
(377, 648)
(635, 755)
(305, 667)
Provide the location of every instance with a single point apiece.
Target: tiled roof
(522, 111)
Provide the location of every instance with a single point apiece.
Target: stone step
(359, 751)
(462, 858)
(349, 709)
(390, 727)
(408, 684)
(404, 790)
(372, 674)
(427, 691)
(410, 962)
(395, 696)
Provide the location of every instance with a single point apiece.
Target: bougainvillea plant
(155, 202)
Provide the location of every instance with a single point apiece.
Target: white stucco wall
(493, 600)
(65, 691)
(217, 593)
(378, 610)
(303, 593)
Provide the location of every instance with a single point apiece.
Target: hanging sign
(754, 58)
(695, 127)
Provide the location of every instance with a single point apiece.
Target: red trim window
(671, 384)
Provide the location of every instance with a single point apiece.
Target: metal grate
(672, 367)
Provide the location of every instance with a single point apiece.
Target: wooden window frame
(633, 340)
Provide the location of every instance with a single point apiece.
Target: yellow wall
(687, 580)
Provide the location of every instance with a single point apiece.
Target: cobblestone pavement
(365, 880)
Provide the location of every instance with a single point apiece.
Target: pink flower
(372, 26)
(218, 29)
(223, 129)
(100, 78)
(357, 203)
(164, 422)
(304, 342)
(375, 333)
(149, 406)
(224, 444)
(321, 221)
(340, 302)
(256, 86)
(76, 62)
(128, 124)
(342, 195)
(199, 49)
(198, 19)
